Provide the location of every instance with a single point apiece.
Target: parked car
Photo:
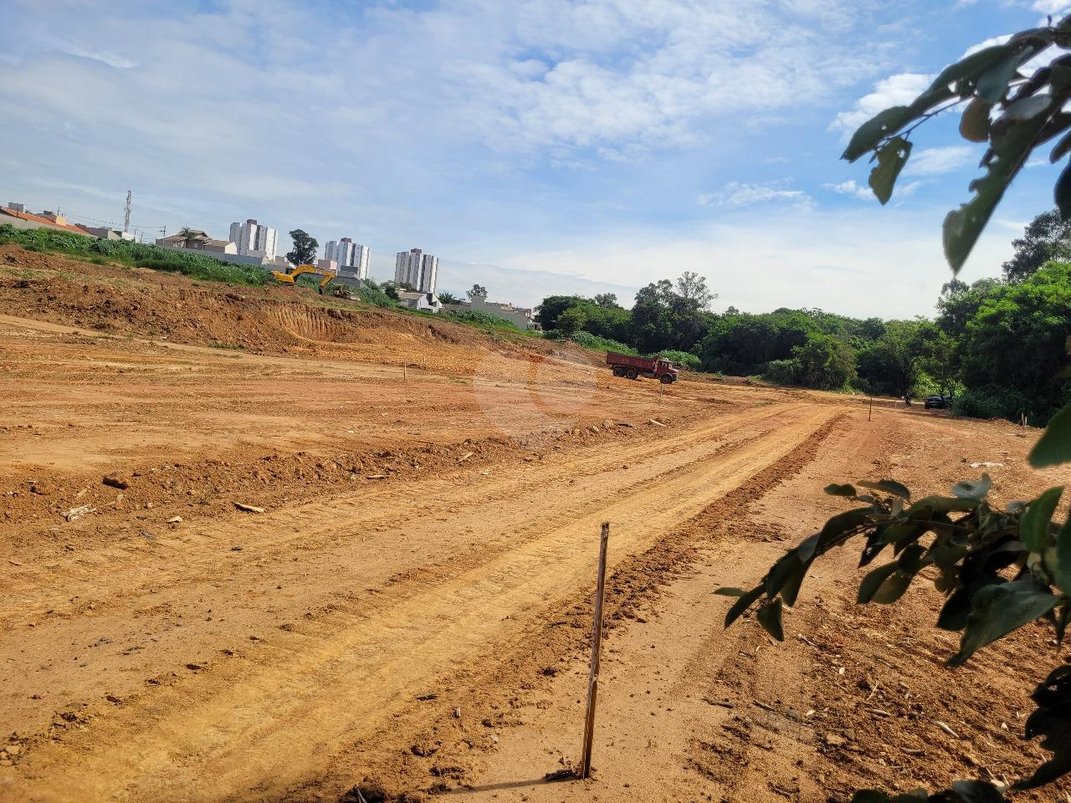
(938, 402)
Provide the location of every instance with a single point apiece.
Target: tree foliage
(476, 291)
(1017, 340)
(1011, 113)
(1047, 237)
(998, 569)
(693, 287)
(304, 250)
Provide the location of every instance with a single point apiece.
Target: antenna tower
(126, 215)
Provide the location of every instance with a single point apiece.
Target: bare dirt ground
(406, 607)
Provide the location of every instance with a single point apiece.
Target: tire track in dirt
(260, 724)
(635, 586)
(65, 587)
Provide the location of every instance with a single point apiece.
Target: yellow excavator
(290, 276)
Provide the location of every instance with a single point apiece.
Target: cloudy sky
(535, 146)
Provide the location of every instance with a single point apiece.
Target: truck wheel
(631, 373)
(619, 371)
(666, 379)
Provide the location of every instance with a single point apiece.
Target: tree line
(997, 345)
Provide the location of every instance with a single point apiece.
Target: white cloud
(853, 189)
(778, 256)
(738, 194)
(115, 60)
(1051, 7)
(856, 190)
(896, 90)
(946, 159)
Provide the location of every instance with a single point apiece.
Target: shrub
(480, 319)
(990, 402)
(370, 293)
(590, 341)
(189, 263)
(782, 372)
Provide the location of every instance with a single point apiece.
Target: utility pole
(163, 232)
(126, 215)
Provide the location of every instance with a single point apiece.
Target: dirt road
(410, 605)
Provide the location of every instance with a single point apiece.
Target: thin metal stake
(596, 644)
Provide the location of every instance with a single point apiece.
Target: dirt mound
(270, 320)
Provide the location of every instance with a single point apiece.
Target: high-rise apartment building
(254, 240)
(416, 269)
(352, 258)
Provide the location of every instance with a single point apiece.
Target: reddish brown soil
(411, 609)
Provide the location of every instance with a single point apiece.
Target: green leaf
(1061, 148)
(974, 67)
(998, 610)
(892, 156)
(840, 490)
(903, 531)
(974, 123)
(791, 589)
(873, 131)
(1034, 523)
(1063, 558)
(770, 619)
(892, 486)
(925, 508)
(993, 83)
(1062, 192)
(910, 559)
(742, 605)
(957, 607)
(872, 582)
(1013, 137)
(805, 551)
(782, 572)
(842, 522)
(973, 490)
(1054, 446)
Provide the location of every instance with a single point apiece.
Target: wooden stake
(870, 412)
(596, 644)
(405, 377)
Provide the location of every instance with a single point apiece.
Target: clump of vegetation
(481, 320)
(189, 263)
(682, 358)
(590, 341)
(371, 293)
(999, 569)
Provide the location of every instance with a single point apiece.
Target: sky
(536, 147)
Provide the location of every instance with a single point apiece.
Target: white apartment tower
(416, 269)
(352, 258)
(254, 240)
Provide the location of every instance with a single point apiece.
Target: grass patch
(100, 252)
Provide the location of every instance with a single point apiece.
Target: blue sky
(535, 146)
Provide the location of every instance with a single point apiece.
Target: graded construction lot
(404, 604)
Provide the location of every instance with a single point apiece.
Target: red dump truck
(635, 367)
